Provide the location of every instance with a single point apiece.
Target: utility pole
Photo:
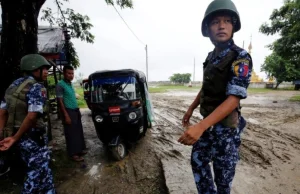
(147, 62)
(194, 69)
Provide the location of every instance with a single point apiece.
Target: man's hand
(186, 118)
(6, 143)
(3, 120)
(192, 134)
(68, 120)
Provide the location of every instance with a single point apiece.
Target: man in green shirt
(71, 115)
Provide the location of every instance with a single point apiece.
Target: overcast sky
(172, 31)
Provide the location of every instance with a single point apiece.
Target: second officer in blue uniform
(227, 73)
(24, 126)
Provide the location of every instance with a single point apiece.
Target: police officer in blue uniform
(23, 124)
(227, 73)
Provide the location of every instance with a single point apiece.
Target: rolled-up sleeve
(240, 77)
(3, 105)
(59, 90)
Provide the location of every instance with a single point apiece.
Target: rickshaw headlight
(98, 119)
(132, 115)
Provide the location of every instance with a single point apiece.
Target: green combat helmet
(32, 62)
(216, 6)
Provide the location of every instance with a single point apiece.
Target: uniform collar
(225, 46)
(29, 77)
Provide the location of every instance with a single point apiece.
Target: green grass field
(166, 88)
(266, 90)
(81, 102)
(295, 98)
(259, 90)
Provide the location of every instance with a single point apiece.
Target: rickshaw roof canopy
(117, 73)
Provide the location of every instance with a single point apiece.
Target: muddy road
(270, 151)
(158, 164)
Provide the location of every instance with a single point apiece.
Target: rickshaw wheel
(119, 151)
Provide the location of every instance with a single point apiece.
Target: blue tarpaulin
(51, 42)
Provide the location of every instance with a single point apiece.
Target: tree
(286, 49)
(181, 78)
(79, 77)
(282, 70)
(19, 32)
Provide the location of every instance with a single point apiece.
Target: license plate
(115, 119)
(114, 109)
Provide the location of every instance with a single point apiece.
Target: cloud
(172, 31)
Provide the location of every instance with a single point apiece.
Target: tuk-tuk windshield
(114, 89)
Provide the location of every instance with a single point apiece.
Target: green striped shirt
(66, 91)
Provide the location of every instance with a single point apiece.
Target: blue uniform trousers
(39, 179)
(219, 145)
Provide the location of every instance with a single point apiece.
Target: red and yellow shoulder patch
(44, 92)
(241, 67)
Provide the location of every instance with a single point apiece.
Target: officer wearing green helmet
(23, 124)
(227, 74)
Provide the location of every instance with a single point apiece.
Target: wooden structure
(52, 43)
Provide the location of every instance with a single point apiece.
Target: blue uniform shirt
(36, 96)
(240, 73)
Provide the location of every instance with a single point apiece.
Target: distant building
(254, 76)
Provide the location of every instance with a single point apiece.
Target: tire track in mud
(251, 151)
(158, 160)
(266, 150)
(168, 131)
(177, 112)
(140, 171)
(145, 167)
(173, 155)
(260, 145)
(267, 146)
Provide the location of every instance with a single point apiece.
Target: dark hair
(67, 67)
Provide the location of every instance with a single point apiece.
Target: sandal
(77, 158)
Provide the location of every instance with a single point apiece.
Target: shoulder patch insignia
(44, 92)
(241, 67)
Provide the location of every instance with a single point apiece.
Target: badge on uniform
(44, 93)
(241, 68)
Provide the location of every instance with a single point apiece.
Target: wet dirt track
(270, 152)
